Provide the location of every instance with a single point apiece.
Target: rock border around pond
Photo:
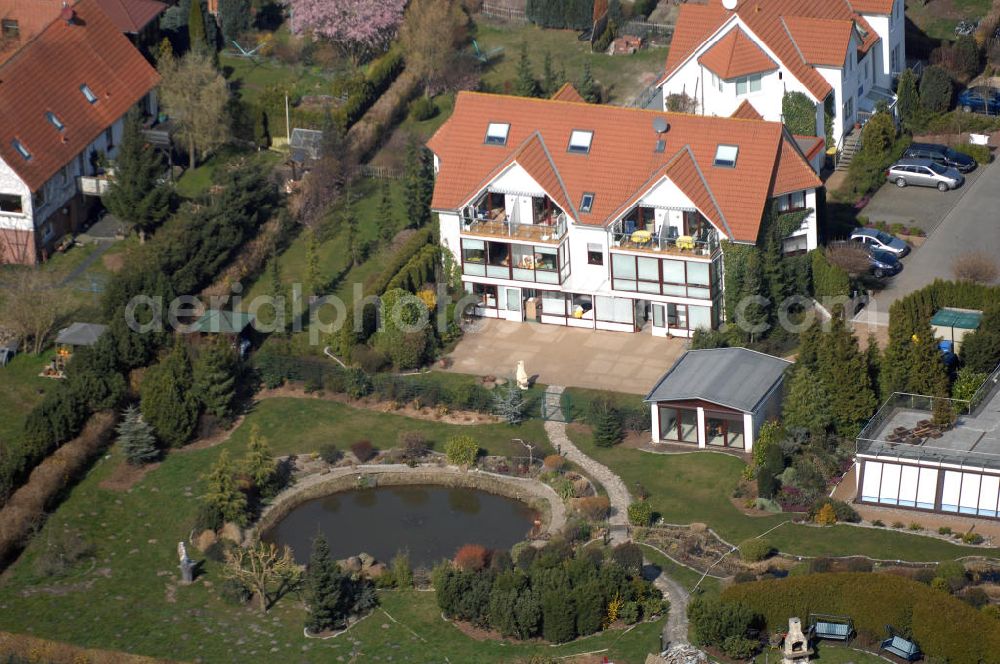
(535, 494)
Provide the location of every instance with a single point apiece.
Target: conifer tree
(325, 594)
(261, 129)
(508, 403)
(844, 373)
(136, 438)
(551, 78)
(606, 422)
(215, 379)
(223, 495)
(926, 371)
(526, 85)
(386, 213)
(134, 194)
(312, 276)
(418, 184)
(259, 464)
(196, 27)
(809, 342)
(873, 360)
(908, 102)
(586, 87)
(279, 296)
(807, 405)
(167, 400)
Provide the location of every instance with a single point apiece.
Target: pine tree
(807, 405)
(418, 184)
(873, 360)
(908, 102)
(508, 403)
(167, 400)
(526, 85)
(312, 276)
(259, 464)
(325, 594)
(926, 371)
(135, 195)
(223, 494)
(606, 422)
(551, 79)
(215, 379)
(386, 213)
(809, 342)
(754, 321)
(261, 129)
(196, 27)
(586, 87)
(136, 439)
(844, 373)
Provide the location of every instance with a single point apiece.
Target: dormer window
(725, 156)
(21, 150)
(496, 133)
(587, 202)
(88, 94)
(54, 121)
(579, 141)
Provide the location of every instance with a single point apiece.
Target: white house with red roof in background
(726, 53)
(66, 83)
(604, 217)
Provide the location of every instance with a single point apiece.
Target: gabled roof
(733, 377)
(567, 93)
(793, 172)
(765, 22)
(809, 146)
(820, 41)
(746, 111)
(81, 334)
(736, 55)
(131, 16)
(46, 75)
(622, 162)
(872, 6)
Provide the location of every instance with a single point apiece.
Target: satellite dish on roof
(660, 125)
(729, 4)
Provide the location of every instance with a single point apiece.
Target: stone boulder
(352, 564)
(374, 571)
(367, 560)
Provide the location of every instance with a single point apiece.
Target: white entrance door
(510, 303)
(659, 320)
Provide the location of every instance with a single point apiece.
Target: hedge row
(943, 626)
(413, 246)
(380, 75)
(828, 280)
(418, 271)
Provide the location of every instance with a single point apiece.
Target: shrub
(369, 359)
(755, 550)
(972, 538)
(234, 592)
(554, 462)
(935, 89)
(471, 557)
(975, 266)
(594, 508)
(413, 444)
(828, 280)
(980, 153)
(944, 530)
(975, 597)
(841, 510)
(826, 516)
(915, 526)
(939, 584)
(422, 108)
(402, 572)
(330, 453)
(363, 450)
(629, 613)
(640, 513)
(461, 450)
(606, 421)
(878, 523)
(629, 556)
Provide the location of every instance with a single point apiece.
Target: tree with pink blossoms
(359, 27)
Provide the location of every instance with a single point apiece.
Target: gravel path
(617, 493)
(676, 629)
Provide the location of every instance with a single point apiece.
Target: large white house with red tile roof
(728, 52)
(603, 217)
(64, 93)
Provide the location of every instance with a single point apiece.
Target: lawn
(695, 487)
(937, 19)
(685, 576)
(128, 597)
(623, 77)
(20, 389)
(196, 181)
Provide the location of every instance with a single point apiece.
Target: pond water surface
(431, 522)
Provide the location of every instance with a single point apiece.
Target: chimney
(796, 649)
(66, 13)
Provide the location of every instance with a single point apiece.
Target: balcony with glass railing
(490, 218)
(699, 241)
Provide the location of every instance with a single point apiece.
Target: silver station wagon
(924, 173)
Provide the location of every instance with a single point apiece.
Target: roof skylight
(496, 133)
(54, 120)
(579, 141)
(587, 202)
(725, 156)
(88, 93)
(19, 146)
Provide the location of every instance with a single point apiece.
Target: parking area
(923, 207)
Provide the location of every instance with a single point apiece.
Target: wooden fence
(381, 172)
(504, 12)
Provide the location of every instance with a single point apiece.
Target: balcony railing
(552, 229)
(704, 244)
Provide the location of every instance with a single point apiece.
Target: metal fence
(381, 172)
(648, 30)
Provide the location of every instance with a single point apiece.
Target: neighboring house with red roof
(63, 97)
(605, 217)
(726, 53)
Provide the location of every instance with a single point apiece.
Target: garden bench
(830, 630)
(900, 647)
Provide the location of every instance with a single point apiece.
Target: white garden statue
(522, 375)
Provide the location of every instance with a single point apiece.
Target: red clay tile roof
(567, 93)
(820, 41)
(622, 160)
(793, 173)
(872, 6)
(535, 159)
(810, 145)
(31, 15)
(131, 16)
(736, 55)
(746, 111)
(766, 20)
(46, 75)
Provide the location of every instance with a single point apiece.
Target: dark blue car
(980, 100)
(884, 264)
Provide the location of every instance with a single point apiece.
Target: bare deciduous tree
(33, 303)
(194, 94)
(265, 570)
(432, 29)
(976, 266)
(851, 258)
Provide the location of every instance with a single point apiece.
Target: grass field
(937, 19)
(20, 389)
(621, 76)
(196, 181)
(689, 488)
(128, 597)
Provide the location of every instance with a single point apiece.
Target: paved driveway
(566, 356)
(921, 206)
(973, 224)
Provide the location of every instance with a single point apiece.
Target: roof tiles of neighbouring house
(821, 41)
(766, 19)
(46, 75)
(131, 16)
(872, 6)
(734, 377)
(567, 93)
(793, 173)
(622, 161)
(810, 145)
(746, 111)
(736, 55)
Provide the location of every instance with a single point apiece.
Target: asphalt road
(973, 224)
(925, 207)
